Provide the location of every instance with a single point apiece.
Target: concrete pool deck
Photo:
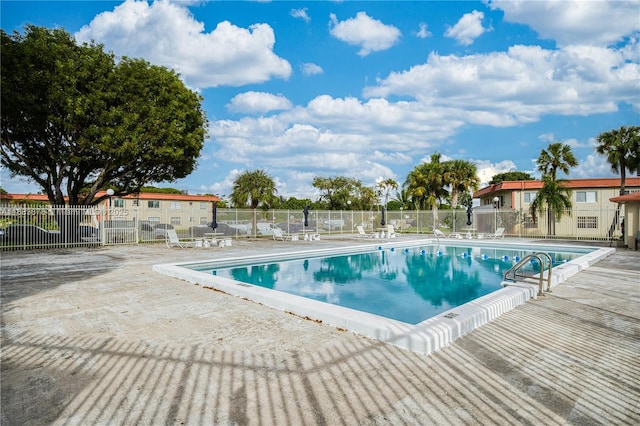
(96, 337)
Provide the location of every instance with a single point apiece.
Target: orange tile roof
(627, 198)
(521, 185)
(141, 196)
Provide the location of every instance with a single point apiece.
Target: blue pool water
(406, 284)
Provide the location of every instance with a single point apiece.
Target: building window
(529, 197)
(203, 205)
(175, 220)
(153, 204)
(175, 205)
(153, 220)
(587, 222)
(136, 203)
(118, 202)
(586, 197)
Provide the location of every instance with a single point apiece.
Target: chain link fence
(27, 227)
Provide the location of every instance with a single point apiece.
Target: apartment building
(594, 214)
(179, 210)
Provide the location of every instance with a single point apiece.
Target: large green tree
(344, 192)
(75, 121)
(554, 197)
(622, 149)
(509, 176)
(253, 188)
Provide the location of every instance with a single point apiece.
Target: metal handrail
(513, 274)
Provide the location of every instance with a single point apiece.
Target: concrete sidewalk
(96, 337)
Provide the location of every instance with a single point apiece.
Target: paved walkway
(96, 337)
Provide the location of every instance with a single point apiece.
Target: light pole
(496, 205)
(349, 208)
(110, 193)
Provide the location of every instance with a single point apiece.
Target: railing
(514, 274)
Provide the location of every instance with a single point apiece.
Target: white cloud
(550, 138)
(311, 69)
(600, 23)
(340, 136)
(370, 34)
(468, 28)
(487, 170)
(592, 165)
(167, 34)
(257, 102)
(301, 14)
(519, 85)
(423, 32)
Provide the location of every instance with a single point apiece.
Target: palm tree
(557, 156)
(462, 176)
(404, 198)
(386, 186)
(254, 188)
(553, 194)
(427, 186)
(622, 148)
(555, 197)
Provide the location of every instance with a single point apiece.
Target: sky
(370, 90)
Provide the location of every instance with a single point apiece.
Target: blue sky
(371, 89)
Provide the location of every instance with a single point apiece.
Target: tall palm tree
(427, 186)
(386, 186)
(462, 176)
(254, 188)
(557, 156)
(553, 194)
(622, 149)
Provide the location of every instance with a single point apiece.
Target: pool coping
(425, 337)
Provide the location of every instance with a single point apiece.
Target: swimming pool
(410, 284)
(388, 291)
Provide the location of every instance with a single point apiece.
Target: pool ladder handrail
(513, 273)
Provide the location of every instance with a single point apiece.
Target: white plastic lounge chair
(439, 234)
(363, 234)
(174, 241)
(278, 235)
(499, 233)
(391, 233)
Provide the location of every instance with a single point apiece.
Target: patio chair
(391, 233)
(174, 241)
(363, 234)
(499, 233)
(278, 235)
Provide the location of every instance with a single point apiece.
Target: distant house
(154, 208)
(594, 214)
